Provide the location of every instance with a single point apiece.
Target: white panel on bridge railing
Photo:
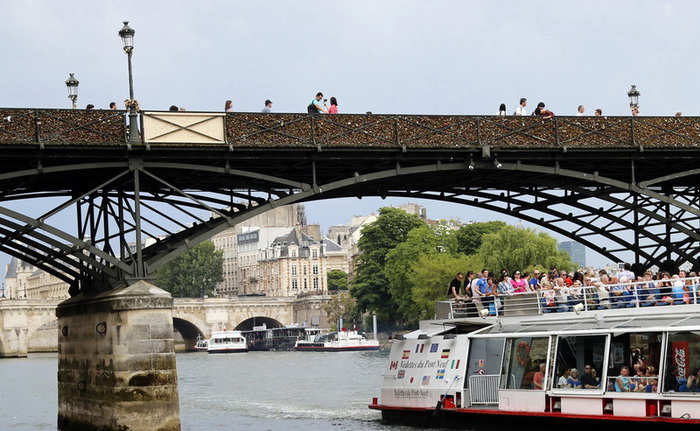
(183, 127)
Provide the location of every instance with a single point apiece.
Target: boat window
(633, 363)
(682, 363)
(579, 362)
(524, 366)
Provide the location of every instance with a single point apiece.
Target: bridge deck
(97, 127)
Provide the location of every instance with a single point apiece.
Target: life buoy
(522, 353)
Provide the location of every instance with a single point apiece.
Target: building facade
(576, 250)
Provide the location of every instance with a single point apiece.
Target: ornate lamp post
(634, 94)
(127, 35)
(72, 85)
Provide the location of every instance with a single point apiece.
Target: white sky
(423, 57)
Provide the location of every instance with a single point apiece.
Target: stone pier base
(116, 361)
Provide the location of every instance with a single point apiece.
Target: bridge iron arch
(180, 195)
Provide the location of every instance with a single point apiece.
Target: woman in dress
(334, 106)
(228, 106)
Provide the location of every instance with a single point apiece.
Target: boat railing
(576, 298)
(483, 389)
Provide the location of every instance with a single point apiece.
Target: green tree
(194, 273)
(341, 305)
(429, 277)
(512, 248)
(370, 286)
(337, 280)
(470, 237)
(423, 240)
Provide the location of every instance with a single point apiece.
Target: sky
(393, 57)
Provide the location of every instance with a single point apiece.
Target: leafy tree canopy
(512, 248)
(429, 277)
(337, 280)
(342, 305)
(193, 274)
(423, 240)
(470, 237)
(370, 286)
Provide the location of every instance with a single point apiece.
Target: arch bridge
(30, 324)
(627, 181)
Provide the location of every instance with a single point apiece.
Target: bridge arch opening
(248, 324)
(186, 332)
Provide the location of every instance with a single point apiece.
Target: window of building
(524, 366)
(316, 283)
(294, 253)
(294, 269)
(295, 284)
(306, 286)
(314, 253)
(314, 269)
(303, 267)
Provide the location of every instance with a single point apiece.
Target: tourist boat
(227, 342)
(463, 371)
(341, 341)
(202, 344)
(262, 338)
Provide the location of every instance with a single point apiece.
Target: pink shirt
(333, 109)
(519, 285)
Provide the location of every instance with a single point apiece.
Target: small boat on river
(262, 338)
(202, 344)
(341, 341)
(227, 342)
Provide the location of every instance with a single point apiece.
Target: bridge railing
(244, 130)
(66, 126)
(459, 131)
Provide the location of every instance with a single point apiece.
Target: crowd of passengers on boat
(561, 291)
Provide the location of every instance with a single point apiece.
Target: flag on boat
(445, 354)
(406, 354)
(426, 380)
(440, 374)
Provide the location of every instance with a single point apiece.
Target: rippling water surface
(309, 391)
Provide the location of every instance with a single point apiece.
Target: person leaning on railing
(623, 382)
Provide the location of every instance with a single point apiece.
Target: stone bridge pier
(116, 361)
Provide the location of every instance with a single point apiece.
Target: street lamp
(634, 94)
(127, 35)
(72, 85)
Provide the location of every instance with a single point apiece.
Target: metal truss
(137, 208)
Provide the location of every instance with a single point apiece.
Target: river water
(257, 391)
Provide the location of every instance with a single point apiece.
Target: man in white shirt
(626, 275)
(581, 109)
(520, 110)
